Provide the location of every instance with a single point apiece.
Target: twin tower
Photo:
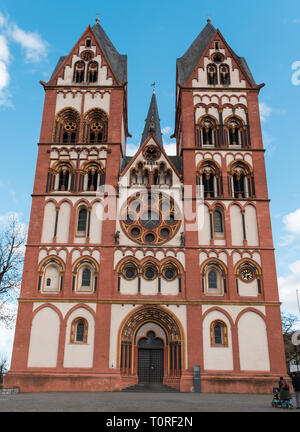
(138, 269)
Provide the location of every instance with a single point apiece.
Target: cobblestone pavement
(136, 402)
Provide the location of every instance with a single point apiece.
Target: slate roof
(187, 63)
(152, 126)
(117, 61)
(59, 63)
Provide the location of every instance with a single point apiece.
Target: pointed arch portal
(151, 345)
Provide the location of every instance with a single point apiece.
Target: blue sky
(33, 35)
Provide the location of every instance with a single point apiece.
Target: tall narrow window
(218, 339)
(218, 334)
(212, 75)
(86, 277)
(82, 220)
(218, 222)
(92, 179)
(235, 130)
(64, 175)
(93, 72)
(239, 185)
(224, 74)
(212, 280)
(79, 69)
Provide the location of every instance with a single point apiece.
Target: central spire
(152, 126)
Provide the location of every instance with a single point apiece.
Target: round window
(170, 273)
(130, 272)
(150, 218)
(150, 238)
(150, 273)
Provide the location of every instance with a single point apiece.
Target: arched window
(95, 126)
(82, 220)
(66, 126)
(79, 331)
(51, 275)
(64, 177)
(206, 132)
(133, 177)
(212, 75)
(79, 70)
(242, 182)
(218, 334)
(209, 181)
(93, 72)
(235, 129)
(214, 278)
(224, 74)
(85, 276)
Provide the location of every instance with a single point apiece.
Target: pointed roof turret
(152, 126)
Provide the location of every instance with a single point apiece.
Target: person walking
(296, 386)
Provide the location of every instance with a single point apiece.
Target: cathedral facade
(138, 269)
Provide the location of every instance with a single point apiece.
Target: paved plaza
(119, 402)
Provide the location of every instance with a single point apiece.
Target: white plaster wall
(96, 223)
(248, 289)
(49, 222)
(236, 226)
(44, 337)
(233, 311)
(253, 343)
(97, 100)
(251, 226)
(68, 99)
(149, 287)
(79, 354)
(63, 223)
(216, 358)
(203, 225)
(169, 287)
(128, 287)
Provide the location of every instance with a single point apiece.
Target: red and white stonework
(185, 274)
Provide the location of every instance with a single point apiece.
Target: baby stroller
(276, 399)
(277, 403)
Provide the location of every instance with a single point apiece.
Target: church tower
(140, 268)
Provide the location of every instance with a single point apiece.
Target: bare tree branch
(12, 249)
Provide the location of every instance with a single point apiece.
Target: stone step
(150, 388)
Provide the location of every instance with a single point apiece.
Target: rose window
(150, 218)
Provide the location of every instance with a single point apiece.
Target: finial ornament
(153, 85)
(97, 20)
(209, 20)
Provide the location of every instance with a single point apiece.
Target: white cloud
(292, 222)
(166, 130)
(265, 111)
(34, 46)
(3, 20)
(288, 287)
(170, 148)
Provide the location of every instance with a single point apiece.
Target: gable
(151, 156)
(94, 45)
(192, 67)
